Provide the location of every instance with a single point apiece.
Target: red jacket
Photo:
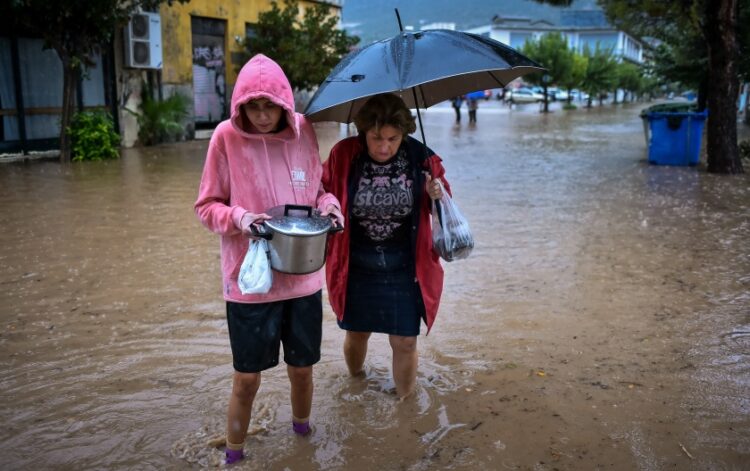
(335, 180)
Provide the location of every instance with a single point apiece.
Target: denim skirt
(382, 294)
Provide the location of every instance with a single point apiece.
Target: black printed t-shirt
(383, 201)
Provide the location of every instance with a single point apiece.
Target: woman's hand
(433, 187)
(248, 220)
(332, 210)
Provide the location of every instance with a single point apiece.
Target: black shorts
(255, 331)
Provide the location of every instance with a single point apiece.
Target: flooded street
(602, 321)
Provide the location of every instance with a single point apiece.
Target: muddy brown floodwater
(602, 321)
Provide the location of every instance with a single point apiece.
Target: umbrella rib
(349, 113)
(496, 79)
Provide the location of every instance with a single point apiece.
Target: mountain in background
(373, 20)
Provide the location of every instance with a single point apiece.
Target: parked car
(561, 95)
(498, 93)
(537, 89)
(525, 95)
(579, 95)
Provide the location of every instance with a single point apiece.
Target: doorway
(209, 71)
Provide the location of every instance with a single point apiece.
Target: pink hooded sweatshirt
(246, 172)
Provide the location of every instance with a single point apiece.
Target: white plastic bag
(451, 236)
(255, 273)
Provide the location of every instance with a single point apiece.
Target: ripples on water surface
(602, 318)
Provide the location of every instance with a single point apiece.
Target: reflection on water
(602, 292)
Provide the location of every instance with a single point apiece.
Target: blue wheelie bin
(675, 136)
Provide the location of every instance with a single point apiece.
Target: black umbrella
(423, 68)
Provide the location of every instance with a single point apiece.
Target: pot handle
(260, 230)
(334, 228)
(300, 207)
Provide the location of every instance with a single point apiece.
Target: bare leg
(355, 351)
(405, 361)
(244, 388)
(301, 379)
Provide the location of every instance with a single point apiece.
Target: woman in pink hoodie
(264, 155)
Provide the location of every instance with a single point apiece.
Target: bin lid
(679, 107)
(699, 115)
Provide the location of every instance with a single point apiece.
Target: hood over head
(261, 77)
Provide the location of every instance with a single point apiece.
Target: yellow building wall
(177, 57)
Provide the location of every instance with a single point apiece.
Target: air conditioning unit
(143, 41)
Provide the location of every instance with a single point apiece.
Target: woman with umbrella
(383, 275)
(382, 272)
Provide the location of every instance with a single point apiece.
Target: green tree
(576, 76)
(628, 79)
(552, 51)
(306, 47)
(743, 35)
(691, 31)
(685, 63)
(649, 86)
(681, 53)
(77, 30)
(700, 39)
(600, 73)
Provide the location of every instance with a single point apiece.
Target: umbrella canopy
(436, 64)
(478, 95)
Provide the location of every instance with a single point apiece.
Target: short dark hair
(385, 109)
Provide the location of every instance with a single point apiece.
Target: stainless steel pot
(296, 238)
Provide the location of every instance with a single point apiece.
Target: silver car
(525, 95)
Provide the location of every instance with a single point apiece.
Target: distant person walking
(456, 102)
(472, 102)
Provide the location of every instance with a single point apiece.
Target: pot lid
(296, 220)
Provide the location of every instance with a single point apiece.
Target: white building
(580, 27)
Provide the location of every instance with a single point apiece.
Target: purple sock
(234, 456)
(301, 429)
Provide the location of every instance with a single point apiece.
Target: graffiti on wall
(209, 70)
(209, 80)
